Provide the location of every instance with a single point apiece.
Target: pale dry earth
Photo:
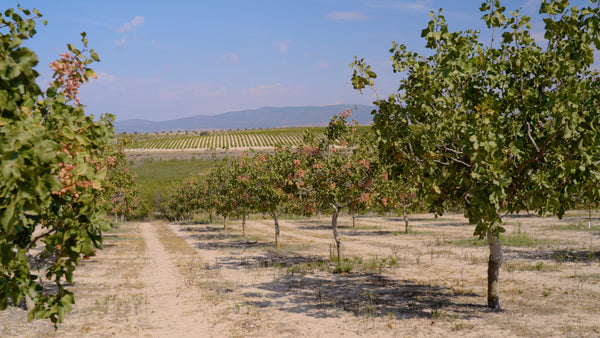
(198, 280)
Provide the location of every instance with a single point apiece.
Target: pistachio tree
(274, 186)
(185, 199)
(244, 195)
(497, 126)
(220, 187)
(120, 188)
(337, 173)
(395, 193)
(52, 170)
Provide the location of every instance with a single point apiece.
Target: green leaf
(88, 248)
(6, 215)
(90, 73)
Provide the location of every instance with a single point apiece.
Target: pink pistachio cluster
(345, 114)
(68, 71)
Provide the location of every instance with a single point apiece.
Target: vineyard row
(216, 141)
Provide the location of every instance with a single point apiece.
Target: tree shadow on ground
(270, 259)
(191, 222)
(318, 227)
(309, 287)
(213, 238)
(578, 219)
(354, 233)
(560, 256)
(434, 223)
(348, 230)
(224, 241)
(521, 216)
(327, 227)
(363, 294)
(201, 229)
(410, 219)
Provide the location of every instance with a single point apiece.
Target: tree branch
(531, 138)
(451, 150)
(461, 162)
(35, 239)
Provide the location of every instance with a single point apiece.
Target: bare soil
(161, 280)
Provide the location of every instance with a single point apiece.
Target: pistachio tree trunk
(405, 218)
(244, 224)
(336, 237)
(276, 220)
(494, 263)
(225, 222)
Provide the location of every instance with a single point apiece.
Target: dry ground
(156, 279)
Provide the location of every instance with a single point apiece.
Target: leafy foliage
(120, 188)
(185, 200)
(52, 167)
(497, 128)
(337, 173)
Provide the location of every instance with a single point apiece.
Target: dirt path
(163, 284)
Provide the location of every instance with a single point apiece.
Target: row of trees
(331, 174)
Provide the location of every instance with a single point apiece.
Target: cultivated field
(158, 279)
(221, 139)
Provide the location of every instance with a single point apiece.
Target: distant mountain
(267, 117)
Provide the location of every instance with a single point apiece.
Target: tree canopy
(498, 126)
(52, 168)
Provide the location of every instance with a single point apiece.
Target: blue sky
(162, 60)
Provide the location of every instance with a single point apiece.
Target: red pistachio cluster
(69, 75)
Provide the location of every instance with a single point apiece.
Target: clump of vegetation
(52, 171)
(495, 127)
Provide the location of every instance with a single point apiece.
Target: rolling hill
(266, 117)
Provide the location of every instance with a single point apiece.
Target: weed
(539, 266)
(345, 266)
(374, 265)
(511, 266)
(582, 225)
(463, 326)
(593, 278)
(518, 239)
(560, 256)
(522, 239)
(437, 313)
(442, 241)
(371, 307)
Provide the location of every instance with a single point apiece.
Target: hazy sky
(167, 59)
